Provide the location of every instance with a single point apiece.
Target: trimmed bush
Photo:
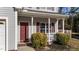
(44, 40)
(39, 40)
(62, 38)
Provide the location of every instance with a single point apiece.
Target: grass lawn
(74, 43)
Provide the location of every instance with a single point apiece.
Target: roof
(41, 14)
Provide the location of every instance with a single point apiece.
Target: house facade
(18, 24)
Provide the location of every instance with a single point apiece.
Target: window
(52, 27)
(29, 7)
(42, 8)
(50, 8)
(42, 27)
(38, 7)
(60, 25)
(45, 29)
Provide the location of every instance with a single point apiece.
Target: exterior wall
(28, 19)
(9, 13)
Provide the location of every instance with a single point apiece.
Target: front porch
(35, 22)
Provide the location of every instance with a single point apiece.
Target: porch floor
(25, 48)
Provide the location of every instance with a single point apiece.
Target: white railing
(52, 36)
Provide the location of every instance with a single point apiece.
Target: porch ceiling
(41, 14)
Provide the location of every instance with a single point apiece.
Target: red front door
(23, 31)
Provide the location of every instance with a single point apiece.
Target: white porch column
(49, 30)
(32, 25)
(56, 26)
(63, 24)
(16, 30)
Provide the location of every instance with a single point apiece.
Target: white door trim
(6, 30)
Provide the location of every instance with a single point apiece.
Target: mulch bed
(58, 47)
(73, 45)
(55, 47)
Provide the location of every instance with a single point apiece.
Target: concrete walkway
(25, 48)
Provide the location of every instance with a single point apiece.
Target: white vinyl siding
(9, 13)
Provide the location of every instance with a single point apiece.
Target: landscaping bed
(63, 42)
(73, 45)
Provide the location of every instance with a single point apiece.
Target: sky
(65, 10)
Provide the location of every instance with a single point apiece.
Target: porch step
(22, 44)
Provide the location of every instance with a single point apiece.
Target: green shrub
(62, 38)
(39, 40)
(44, 40)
